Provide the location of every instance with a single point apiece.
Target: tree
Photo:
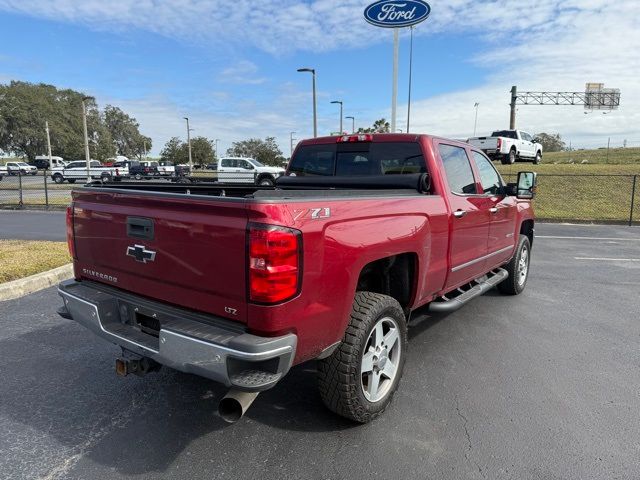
(201, 150)
(265, 151)
(177, 151)
(551, 142)
(379, 126)
(173, 151)
(24, 109)
(125, 133)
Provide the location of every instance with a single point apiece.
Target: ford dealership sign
(393, 14)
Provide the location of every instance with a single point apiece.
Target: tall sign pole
(396, 15)
(394, 88)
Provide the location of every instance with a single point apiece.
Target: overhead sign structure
(396, 14)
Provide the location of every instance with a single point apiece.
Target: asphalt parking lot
(545, 385)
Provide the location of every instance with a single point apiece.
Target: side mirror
(526, 185)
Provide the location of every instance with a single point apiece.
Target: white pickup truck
(509, 146)
(15, 168)
(247, 170)
(77, 170)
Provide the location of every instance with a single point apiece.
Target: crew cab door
(470, 217)
(528, 149)
(502, 210)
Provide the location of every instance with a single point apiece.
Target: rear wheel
(266, 182)
(359, 378)
(510, 158)
(518, 268)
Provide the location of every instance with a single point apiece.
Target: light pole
(217, 140)
(189, 144)
(410, 75)
(291, 139)
(86, 136)
(315, 118)
(475, 123)
(353, 124)
(340, 102)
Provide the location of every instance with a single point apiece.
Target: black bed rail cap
(415, 181)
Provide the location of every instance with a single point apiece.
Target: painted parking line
(612, 239)
(606, 259)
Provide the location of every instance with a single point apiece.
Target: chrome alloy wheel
(523, 266)
(380, 359)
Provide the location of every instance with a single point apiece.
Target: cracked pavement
(545, 385)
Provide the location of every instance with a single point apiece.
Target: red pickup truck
(239, 283)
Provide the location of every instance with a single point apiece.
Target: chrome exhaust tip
(235, 404)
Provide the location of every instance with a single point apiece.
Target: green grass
(20, 258)
(585, 193)
(615, 156)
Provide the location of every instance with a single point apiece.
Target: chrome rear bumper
(207, 346)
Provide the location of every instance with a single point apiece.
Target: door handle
(493, 209)
(459, 213)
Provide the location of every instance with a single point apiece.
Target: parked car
(23, 168)
(212, 166)
(508, 146)
(41, 162)
(247, 170)
(77, 170)
(238, 283)
(136, 169)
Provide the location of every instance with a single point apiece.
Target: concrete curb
(24, 286)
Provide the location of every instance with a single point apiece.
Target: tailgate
(183, 250)
(485, 143)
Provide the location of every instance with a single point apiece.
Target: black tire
(58, 178)
(340, 377)
(105, 178)
(514, 285)
(137, 176)
(537, 158)
(266, 182)
(510, 158)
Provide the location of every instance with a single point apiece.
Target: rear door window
(358, 159)
(458, 169)
(489, 177)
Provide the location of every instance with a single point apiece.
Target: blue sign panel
(394, 14)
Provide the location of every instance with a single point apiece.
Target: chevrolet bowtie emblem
(141, 254)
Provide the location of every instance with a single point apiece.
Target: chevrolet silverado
(238, 283)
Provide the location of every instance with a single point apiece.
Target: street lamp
(353, 124)
(315, 118)
(475, 123)
(189, 143)
(340, 102)
(86, 136)
(291, 144)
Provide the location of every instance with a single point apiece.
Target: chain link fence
(560, 198)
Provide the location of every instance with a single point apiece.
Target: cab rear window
(358, 159)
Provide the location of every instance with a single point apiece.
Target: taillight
(362, 137)
(499, 144)
(117, 172)
(274, 263)
(70, 243)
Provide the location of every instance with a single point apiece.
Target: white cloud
(243, 72)
(544, 45)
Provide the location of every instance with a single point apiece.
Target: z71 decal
(312, 213)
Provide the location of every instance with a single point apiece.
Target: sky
(231, 66)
